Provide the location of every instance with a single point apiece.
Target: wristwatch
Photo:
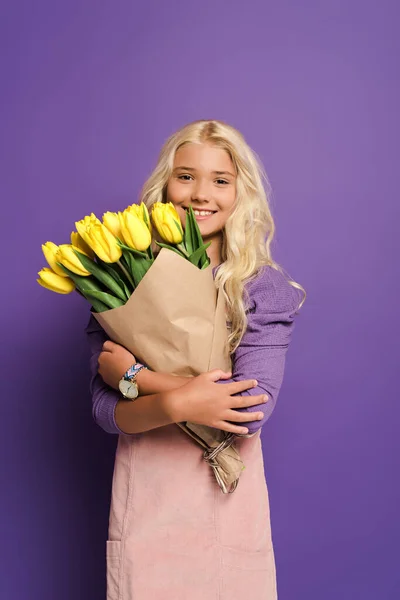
(128, 385)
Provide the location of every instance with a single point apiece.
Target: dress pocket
(248, 572)
(113, 563)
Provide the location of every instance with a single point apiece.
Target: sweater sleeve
(261, 353)
(104, 397)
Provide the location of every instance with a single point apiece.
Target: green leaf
(198, 241)
(197, 254)
(140, 254)
(124, 264)
(197, 237)
(150, 253)
(89, 288)
(101, 275)
(83, 283)
(130, 262)
(205, 264)
(107, 299)
(188, 238)
(97, 305)
(137, 266)
(117, 273)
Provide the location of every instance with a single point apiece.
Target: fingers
(217, 374)
(231, 428)
(245, 401)
(234, 415)
(108, 346)
(240, 386)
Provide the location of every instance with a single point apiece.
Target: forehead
(203, 156)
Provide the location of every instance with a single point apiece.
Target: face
(203, 176)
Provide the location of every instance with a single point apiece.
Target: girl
(173, 535)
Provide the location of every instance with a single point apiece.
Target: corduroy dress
(173, 534)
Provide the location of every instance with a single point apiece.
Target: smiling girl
(172, 533)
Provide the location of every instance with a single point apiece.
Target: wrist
(144, 379)
(172, 405)
(128, 385)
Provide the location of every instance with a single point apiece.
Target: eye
(219, 181)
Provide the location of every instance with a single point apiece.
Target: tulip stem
(126, 273)
(182, 248)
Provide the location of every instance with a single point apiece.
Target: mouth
(200, 213)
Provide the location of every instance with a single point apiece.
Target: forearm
(267, 367)
(145, 413)
(150, 382)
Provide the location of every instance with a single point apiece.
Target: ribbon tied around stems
(211, 454)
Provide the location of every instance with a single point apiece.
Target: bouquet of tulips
(112, 264)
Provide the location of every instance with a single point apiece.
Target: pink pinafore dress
(173, 534)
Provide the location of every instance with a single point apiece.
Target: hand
(114, 361)
(205, 402)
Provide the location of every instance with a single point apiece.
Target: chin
(207, 231)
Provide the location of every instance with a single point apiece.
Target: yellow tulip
(99, 238)
(84, 224)
(111, 221)
(141, 211)
(51, 281)
(67, 257)
(50, 252)
(105, 245)
(78, 242)
(135, 232)
(167, 222)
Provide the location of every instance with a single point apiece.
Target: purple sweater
(260, 355)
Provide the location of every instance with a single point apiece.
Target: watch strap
(132, 372)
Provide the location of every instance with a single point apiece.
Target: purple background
(90, 91)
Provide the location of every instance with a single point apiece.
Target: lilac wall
(90, 90)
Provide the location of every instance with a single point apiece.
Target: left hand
(114, 360)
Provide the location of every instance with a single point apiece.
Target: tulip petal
(50, 250)
(54, 282)
(111, 221)
(67, 257)
(78, 242)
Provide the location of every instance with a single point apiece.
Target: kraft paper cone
(175, 322)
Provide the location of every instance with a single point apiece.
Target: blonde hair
(249, 230)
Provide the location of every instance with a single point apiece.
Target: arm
(115, 414)
(202, 398)
(262, 351)
(151, 382)
(104, 397)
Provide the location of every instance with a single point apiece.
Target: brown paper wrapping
(175, 322)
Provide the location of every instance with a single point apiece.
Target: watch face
(129, 389)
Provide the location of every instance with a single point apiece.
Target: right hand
(205, 402)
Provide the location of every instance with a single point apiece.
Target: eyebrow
(214, 172)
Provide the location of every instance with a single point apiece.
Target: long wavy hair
(249, 230)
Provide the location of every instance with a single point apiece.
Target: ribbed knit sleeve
(104, 397)
(262, 351)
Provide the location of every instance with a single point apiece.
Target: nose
(200, 192)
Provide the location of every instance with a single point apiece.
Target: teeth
(203, 213)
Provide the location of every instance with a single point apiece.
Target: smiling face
(204, 177)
